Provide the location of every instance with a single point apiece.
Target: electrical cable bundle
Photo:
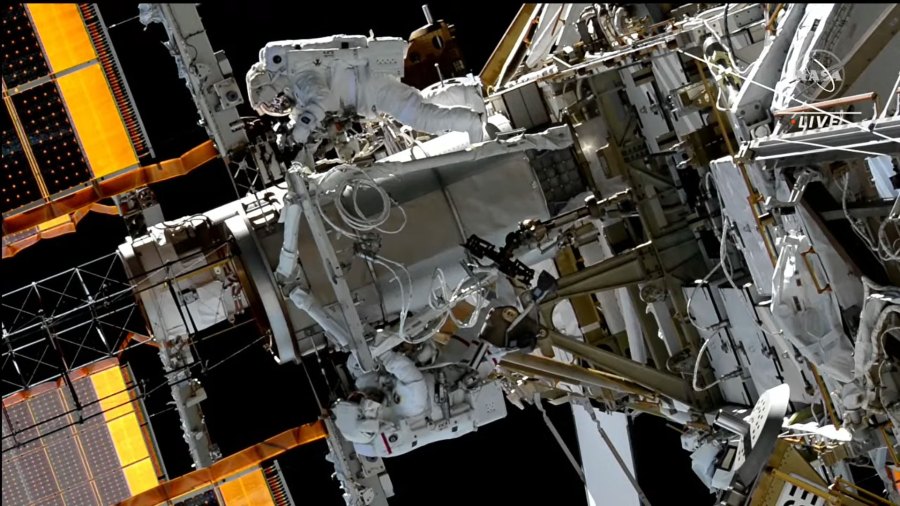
(442, 298)
(344, 177)
(880, 247)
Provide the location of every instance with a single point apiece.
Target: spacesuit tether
(307, 79)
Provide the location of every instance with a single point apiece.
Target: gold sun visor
(69, 118)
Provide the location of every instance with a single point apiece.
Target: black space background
(513, 461)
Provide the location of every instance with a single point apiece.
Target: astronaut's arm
(310, 92)
(402, 368)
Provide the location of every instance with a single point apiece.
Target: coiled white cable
(336, 181)
(891, 252)
(877, 245)
(405, 295)
(446, 299)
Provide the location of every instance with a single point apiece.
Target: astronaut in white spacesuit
(360, 418)
(411, 402)
(308, 79)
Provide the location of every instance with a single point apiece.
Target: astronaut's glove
(285, 141)
(284, 138)
(287, 149)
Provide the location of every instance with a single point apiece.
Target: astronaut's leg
(464, 92)
(405, 103)
(467, 92)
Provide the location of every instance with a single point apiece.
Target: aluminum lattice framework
(66, 321)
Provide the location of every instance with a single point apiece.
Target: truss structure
(66, 321)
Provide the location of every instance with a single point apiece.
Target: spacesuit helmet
(269, 94)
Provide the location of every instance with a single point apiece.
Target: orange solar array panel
(127, 436)
(202, 480)
(63, 35)
(52, 455)
(70, 120)
(71, 135)
(250, 489)
(97, 121)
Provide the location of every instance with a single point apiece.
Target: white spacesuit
(404, 406)
(360, 422)
(307, 79)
